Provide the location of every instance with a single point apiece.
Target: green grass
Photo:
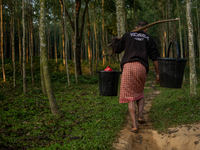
(88, 121)
(174, 107)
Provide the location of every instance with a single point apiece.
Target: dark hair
(142, 23)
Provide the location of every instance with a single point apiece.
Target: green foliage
(175, 107)
(88, 121)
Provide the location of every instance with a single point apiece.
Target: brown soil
(184, 137)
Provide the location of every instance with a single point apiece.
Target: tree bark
(191, 50)
(103, 34)
(55, 47)
(20, 46)
(169, 27)
(2, 54)
(75, 41)
(63, 36)
(89, 45)
(13, 43)
(95, 34)
(120, 21)
(198, 32)
(50, 93)
(66, 39)
(24, 51)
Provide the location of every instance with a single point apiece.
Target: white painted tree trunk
(191, 49)
(49, 89)
(120, 21)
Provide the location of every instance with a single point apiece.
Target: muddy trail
(184, 137)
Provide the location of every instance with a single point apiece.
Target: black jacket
(138, 46)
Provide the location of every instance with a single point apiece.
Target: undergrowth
(87, 120)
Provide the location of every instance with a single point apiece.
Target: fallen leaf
(98, 120)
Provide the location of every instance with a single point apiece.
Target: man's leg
(140, 104)
(132, 111)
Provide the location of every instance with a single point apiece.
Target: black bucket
(108, 81)
(171, 70)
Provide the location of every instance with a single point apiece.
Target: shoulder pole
(151, 24)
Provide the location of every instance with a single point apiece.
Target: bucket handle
(177, 49)
(102, 58)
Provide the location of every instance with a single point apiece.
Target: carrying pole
(149, 25)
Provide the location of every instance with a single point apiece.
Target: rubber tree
(2, 55)
(89, 45)
(24, 50)
(43, 49)
(120, 21)
(66, 39)
(191, 49)
(79, 33)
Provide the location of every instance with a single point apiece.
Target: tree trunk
(169, 28)
(31, 46)
(13, 43)
(20, 46)
(180, 33)
(191, 50)
(2, 55)
(66, 39)
(5, 40)
(63, 37)
(86, 58)
(54, 20)
(50, 93)
(198, 32)
(75, 41)
(24, 51)
(103, 34)
(120, 21)
(48, 38)
(89, 45)
(79, 34)
(95, 34)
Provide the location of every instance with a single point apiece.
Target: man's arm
(155, 63)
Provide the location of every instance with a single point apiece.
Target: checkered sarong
(132, 82)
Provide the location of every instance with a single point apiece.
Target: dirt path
(185, 137)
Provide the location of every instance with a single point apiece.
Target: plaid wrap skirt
(132, 82)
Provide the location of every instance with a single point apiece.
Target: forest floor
(182, 137)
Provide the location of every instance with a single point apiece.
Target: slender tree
(13, 42)
(95, 33)
(24, 51)
(63, 34)
(198, 30)
(120, 21)
(75, 40)
(89, 45)
(78, 32)
(2, 54)
(31, 40)
(66, 39)
(103, 34)
(191, 50)
(54, 20)
(50, 93)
